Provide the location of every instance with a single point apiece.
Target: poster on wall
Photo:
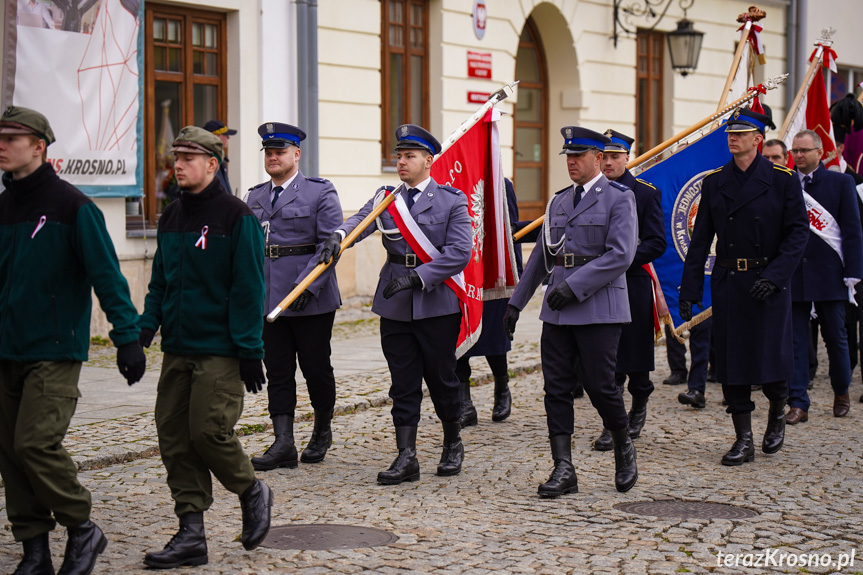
(79, 62)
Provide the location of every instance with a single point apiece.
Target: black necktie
(806, 181)
(411, 193)
(579, 191)
(277, 191)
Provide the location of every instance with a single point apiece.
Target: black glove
(410, 281)
(132, 361)
(684, 308)
(763, 288)
(510, 318)
(332, 247)
(560, 296)
(301, 301)
(252, 374)
(145, 336)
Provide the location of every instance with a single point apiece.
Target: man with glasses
(831, 266)
(755, 211)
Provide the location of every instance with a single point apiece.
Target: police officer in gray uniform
(420, 314)
(298, 214)
(587, 243)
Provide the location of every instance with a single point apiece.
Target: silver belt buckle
(410, 260)
(569, 260)
(273, 252)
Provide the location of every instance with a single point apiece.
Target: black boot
(603, 442)
(637, 416)
(86, 541)
(625, 467)
(774, 436)
(453, 450)
(743, 449)
(563, 479)
(257, 505)
(321, 440)
(502, 399)
(283, 452)
(187, 547)
(37, 557)
(405, 467)
(468, 411)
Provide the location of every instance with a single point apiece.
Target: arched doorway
(531, 124)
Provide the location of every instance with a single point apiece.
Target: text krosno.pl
(777, 558)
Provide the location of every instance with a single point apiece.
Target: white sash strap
(823, 224)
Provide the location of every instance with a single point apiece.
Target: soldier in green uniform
(207, 294)
(54, 248)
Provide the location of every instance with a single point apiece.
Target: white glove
(851, 282)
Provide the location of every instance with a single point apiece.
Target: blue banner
(679, 178)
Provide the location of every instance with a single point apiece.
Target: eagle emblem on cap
(736, 114)
(569, 132)
(404, 130)
(608, 133)
(270, 128)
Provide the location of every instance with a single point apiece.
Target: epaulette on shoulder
(387, 188)
(563, 190)
(319, 180)
(648, 184)
(783, 169)
(258, 186)
(450, 189)
(619, 186)
(712, 172)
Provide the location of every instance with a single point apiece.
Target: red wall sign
(479, 64)
(478, 97)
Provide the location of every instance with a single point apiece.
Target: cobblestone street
(489, 518)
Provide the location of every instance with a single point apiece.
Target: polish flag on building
(473, 165)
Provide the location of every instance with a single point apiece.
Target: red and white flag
(473, 165)
(814, 114)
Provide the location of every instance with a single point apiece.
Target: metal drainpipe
(791, 55)
(312, 104)
(302, 76)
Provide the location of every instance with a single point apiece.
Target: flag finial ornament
(754, 14)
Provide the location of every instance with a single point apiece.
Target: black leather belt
(572, 260)
(407, 260)
(275, 252)
(742, 264)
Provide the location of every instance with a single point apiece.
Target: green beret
(18, 120)
(195, 140)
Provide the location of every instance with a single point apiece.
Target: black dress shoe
(283, 452)
(187, 547)
(603, 442)
(563, 478)
(692, 397)
(322, 438)
(86, 541)
(257, 505)
(675, 379)
(37, 557)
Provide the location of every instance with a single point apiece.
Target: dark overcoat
(819, 277)
(636, 350)
(763, 218)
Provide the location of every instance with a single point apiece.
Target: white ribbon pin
(39, 226)
(202, 241)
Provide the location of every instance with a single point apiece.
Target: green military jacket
(207, 287)
(55, 248)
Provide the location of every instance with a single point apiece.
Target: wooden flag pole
(498, 96)
(735, 64)
(770, 85)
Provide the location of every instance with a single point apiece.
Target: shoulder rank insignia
(648, 184)
(258, 186)
(783, 169)
(449, 189)
(319, 180)
(618, 185)
(713, 172)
